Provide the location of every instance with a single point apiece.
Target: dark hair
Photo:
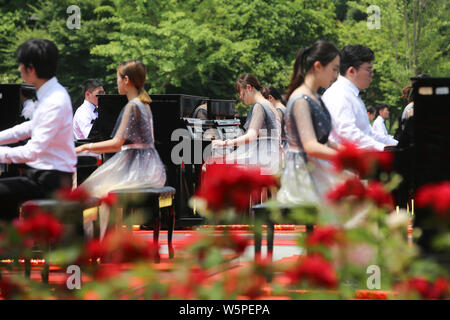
(407, 91)
(354, 56)
(246, 79)
(371, 109)
(380, 106)
(271, 91)
(41, 54)
(90, 85)
(136, 71)
(321, 51)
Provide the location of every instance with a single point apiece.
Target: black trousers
(32, 184)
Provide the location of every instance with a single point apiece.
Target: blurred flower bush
(356, 232)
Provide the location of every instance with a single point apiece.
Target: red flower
(352, 158)
(351, 187)
(125, 247)
(361, 161)
(327, 235)
(118, 247)
(94, 249)
(376, 192)
(229, 185)
(238, 243)
(78, 194)
(314, 269)
(8, 289)
(427, 290)
(109, 199)
(436, 196)
(41, 227)
(107, 271)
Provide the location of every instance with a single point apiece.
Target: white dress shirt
(82, 120)
(349, 115)
(380, 133)
(51, 146)
(28, 109)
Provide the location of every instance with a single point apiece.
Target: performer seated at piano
(379, 127)
(348, 112)
(307, 174)
(136, 163)
(371, 113)
(50, 153)
(201, 112)
(87, 113)
(274, 96)
(260, 145)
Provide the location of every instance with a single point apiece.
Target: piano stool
(71, 215)
(153, 201)
(262, 214)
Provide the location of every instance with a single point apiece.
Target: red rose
(439, 289)
(109, 199)
(41, 227)
(106, 271)
(351, 158)
(229, 185)
(437, 196)
(351, 187)
(361, 161)
(238, 243)
(9, 289)
(314, 269)
(77, 194)
(326, 235)
(125, 247)
(376, 192)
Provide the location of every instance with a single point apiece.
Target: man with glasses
(86, 114)
(348, 111)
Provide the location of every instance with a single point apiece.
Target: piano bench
(153, 201)
(69, 213)
(262, 213)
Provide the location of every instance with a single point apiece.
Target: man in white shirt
(87, 113)
(348, 112)
(49, 155)
(379, 130)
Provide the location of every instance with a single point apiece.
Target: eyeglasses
(369, 70)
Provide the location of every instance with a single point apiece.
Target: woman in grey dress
(260, 145)
(136, 163)
(308, 174)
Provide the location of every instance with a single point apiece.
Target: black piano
(173, 125)
(423, 153)
(11, 104)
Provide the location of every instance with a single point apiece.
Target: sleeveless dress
(305, 179)
(138, 163)
(265, 151)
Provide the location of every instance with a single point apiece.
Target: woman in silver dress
(308, 174)
(136, 163)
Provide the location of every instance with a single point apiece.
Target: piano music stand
(109, 108)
